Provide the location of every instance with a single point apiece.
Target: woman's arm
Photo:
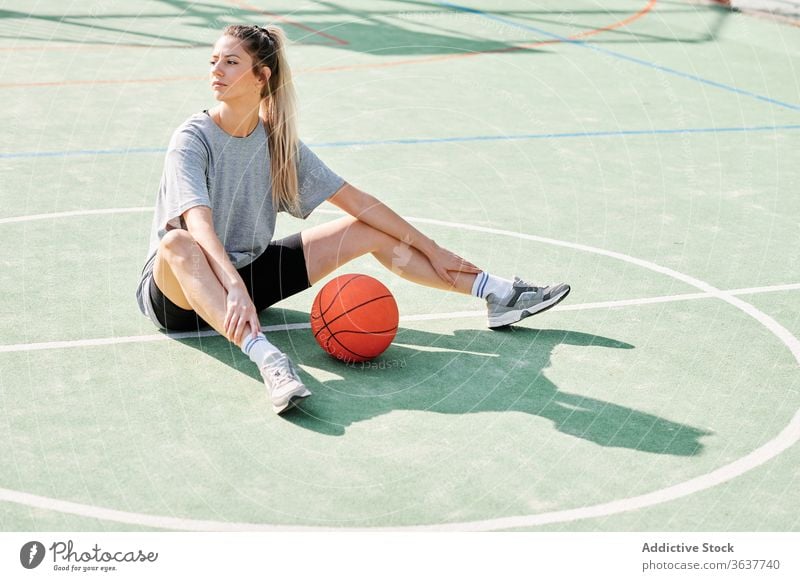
(239, 307)
(372, 211)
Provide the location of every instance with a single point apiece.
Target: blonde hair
(266, 45)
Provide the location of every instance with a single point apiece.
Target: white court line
(20, 347)
(436, 349)
(788, 437)
(72, 214)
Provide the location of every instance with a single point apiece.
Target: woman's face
(231, 73)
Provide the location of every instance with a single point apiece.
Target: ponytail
(266, 46)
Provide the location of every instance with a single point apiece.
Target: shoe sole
(291, 403)
(512, 317)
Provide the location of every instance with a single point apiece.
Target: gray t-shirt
(205, 166)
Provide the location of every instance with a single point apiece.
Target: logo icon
(31, 554)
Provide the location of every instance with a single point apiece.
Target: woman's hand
(375, 213)
(240, 311)
(444, 262)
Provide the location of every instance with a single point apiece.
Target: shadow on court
(422, 28)
(469, 371)
(449, 30)
(197, 24)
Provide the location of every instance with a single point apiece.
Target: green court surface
(643, 151)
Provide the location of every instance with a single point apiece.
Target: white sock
(258, 349)
(487, 284)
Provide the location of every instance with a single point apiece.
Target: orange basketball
(354, 317)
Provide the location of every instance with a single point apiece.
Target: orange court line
(238, 3)
(111, 46)
(632, 18)
(98, 82)
(102, 46)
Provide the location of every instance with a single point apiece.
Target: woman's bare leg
(328, 246)
(183, 274)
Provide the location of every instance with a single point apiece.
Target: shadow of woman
(469, 371)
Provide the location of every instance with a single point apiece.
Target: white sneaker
(526, 300)
(283, 383)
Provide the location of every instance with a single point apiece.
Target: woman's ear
(265, 75)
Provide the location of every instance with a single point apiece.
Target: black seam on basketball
(333, 300)
(326, 323)
(348, 349)
(333, 336)
(363, 332)
(356, 307)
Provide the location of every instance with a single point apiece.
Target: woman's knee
(177, 244)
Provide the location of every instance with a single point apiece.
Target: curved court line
(105, 341)
(434, 140)
(625, 57)
(329, 69)
(624, 22)
(520, 47)
(788, 437)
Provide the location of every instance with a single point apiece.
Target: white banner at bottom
(390, 556)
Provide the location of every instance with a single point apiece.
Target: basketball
(354, 318)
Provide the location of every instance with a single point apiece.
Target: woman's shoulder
(193, 133)
(199, 123)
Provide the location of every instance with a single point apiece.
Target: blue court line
(619, 55)
(417, 141)
(73, 152)
(576, 134)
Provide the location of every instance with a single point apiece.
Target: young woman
(228, 172)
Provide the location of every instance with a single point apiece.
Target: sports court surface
(645, 151)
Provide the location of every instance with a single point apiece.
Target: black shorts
(278, 273)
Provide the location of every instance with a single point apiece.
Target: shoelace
(281, 372)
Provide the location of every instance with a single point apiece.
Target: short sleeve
(185, 180)
(316, 181)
